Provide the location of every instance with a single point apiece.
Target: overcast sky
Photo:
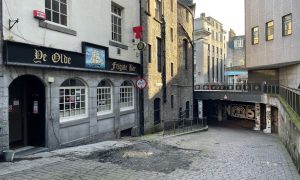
(229, 12)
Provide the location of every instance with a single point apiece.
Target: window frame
(253, 37)
(119, 17)
(149, 53)
(270, 30)
(73, 117)
(100, 88)
(158, 12)
(59, 13)
(284, 30)
(126, 108)
(185, 53)
(159, 54)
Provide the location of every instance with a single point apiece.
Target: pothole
(148, 156)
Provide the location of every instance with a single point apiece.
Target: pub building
(60, 98)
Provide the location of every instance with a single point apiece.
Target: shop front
(58, 97)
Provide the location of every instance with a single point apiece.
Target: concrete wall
(259, 76)
(283, 49)
(290, 76)
(91, 20)
(289, 133)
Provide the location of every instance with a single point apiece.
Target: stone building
(168, 63)
(235, 69)
(210, 50)
(272, 42)
(67, 77)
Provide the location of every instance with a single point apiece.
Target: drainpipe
(141, 91)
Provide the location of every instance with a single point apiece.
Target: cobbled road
(219, 153)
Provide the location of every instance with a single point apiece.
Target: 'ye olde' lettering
(61, 58)
(39, 56)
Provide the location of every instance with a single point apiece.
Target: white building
(70, 78)
(210, 50)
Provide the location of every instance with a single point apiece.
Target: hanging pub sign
(93, 58)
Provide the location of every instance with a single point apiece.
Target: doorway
(26, 112)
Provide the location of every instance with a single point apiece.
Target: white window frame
(112, 23)
(127, 107)
(75, 117)
(60, 13)
(102, 90)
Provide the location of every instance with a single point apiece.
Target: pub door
(26, 112)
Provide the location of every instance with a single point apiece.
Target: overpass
(247, 101)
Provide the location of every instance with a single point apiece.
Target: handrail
(290, 95)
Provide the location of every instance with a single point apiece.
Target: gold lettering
(119, 67)
(132, 68)
(61, 58)
(39, 56)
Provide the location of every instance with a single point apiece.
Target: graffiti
(242, 111)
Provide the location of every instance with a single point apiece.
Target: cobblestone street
(220, 153)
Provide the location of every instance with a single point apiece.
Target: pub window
(126, 96)
(270, 30)
(104, 98)
(72, 100)
(287, 25)
(255, 34)
(116, 23)
(57, 11)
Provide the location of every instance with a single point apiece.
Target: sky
(229, 12)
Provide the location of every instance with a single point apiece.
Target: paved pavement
(219, 153)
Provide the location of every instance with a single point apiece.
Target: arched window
(72, 100)
(126, 96)
(104, 97)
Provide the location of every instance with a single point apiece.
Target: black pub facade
(54, 98)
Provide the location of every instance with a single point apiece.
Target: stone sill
(46, 25)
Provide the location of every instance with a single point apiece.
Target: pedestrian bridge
(253, 93)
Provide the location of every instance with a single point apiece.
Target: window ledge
(74, 122)
(57, 28)
(119, 45)
(159, 21)
(127, 111)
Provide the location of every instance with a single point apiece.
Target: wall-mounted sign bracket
(12, 23)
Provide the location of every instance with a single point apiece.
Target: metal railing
(175, 126)
(290, 95)
(254, 87)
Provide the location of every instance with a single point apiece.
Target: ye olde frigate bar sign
(93, 58)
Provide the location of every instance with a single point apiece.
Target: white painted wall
(90, 18)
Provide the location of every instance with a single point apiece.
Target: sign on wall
(93, 58)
